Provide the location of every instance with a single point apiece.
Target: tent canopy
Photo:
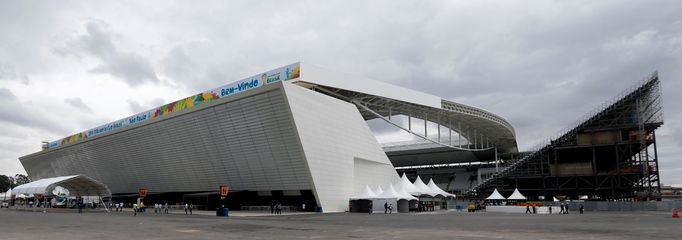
(392, 193)
(366, 194)
(406, 185)
(495, 196)
(436, 189)
(422, 188)
(78, 185)
(517, 195)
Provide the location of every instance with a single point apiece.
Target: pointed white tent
(408, 196)
(422, 188)
(436, 189)
(406, 185)
(555, 199)
(379, 191)
(517, 195)
(366, 193)
(392, 193)
(495, 196)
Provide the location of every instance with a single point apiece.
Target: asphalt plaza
(444, 224)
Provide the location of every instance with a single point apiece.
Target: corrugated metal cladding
(247, 143)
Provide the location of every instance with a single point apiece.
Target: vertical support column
(389, 114)
(658, 176)
(450, 132)
(459, 134)
(426, 120)
(438, 123)
(409, 121)
(468, 142)
(475, 140)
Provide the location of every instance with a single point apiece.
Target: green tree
(20, 179)
(6, 183)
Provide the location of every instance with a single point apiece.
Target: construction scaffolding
(610, 154)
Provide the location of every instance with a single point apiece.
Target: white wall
(333, 135)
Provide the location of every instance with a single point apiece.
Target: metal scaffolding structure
(609, 154)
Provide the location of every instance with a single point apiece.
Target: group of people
(564, 209)
(159, 206)
(189, 208)
(388, 208)
(277, 208)
(425, 207)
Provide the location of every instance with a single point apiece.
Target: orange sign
(143, 192)
(224, 190)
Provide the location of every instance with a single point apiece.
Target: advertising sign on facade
(143, 192)
(224, 190)
(285, 73)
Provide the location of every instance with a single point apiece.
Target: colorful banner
(285, 73)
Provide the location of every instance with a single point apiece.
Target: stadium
(300, 134)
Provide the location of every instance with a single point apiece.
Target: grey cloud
(7, 73)
(6, 95)
(137, 107)
(78, 103)
(99, 43)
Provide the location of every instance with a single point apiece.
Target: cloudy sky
(66, 66)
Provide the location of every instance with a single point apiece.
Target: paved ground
(445, 225)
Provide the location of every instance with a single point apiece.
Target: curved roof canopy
(78, 185)
(383, 99)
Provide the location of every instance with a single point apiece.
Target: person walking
(535, 210)
(562, 208)
(390, 208)
(528, 209)
(371, 206)
(165, 208)
(186, 208)
(385, 207)
(550, 209)
(134, 209)
(303, 207)
(80, 205)
(582, 209)
(567, 212)
(191, 207)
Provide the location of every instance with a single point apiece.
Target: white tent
(77, 185)
(406, 185)
(366, 194)
(436, 189)
(423, 189)
(517, 195)
(402, 192)
(555, 199)
(379, 191)
(392, 193)
(495, 196)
